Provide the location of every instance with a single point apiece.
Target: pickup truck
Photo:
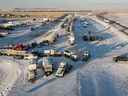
(123, 57)
(64, 67)
(71, 55)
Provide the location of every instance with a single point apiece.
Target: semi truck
(71, 55)
(32, 72)
(52, 52)
(49, 38)
(47, 66)
(11, 52)
(84, 55)
(17, 54)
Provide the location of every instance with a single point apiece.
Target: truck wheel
(116, 60)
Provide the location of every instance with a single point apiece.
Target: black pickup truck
(123, 57)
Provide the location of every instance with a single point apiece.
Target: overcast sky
(72, 4)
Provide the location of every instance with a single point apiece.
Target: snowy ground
(119, 18)
(99, 77)
(24, 36)
(102, 76)
(8, 70)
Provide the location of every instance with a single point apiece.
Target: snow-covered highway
(100, 76)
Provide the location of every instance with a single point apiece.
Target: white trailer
(32, 67)
(31, 75)
(32, 72)
(47, 66)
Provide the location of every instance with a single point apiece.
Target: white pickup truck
(64, 67)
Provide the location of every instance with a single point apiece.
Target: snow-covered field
(25, 37)
(9, 72)
(121, 18)
(101, 76)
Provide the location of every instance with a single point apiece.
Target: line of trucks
(51, 38)
(75, 56)
(63, 68)
(19, 52)
(49, 67)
